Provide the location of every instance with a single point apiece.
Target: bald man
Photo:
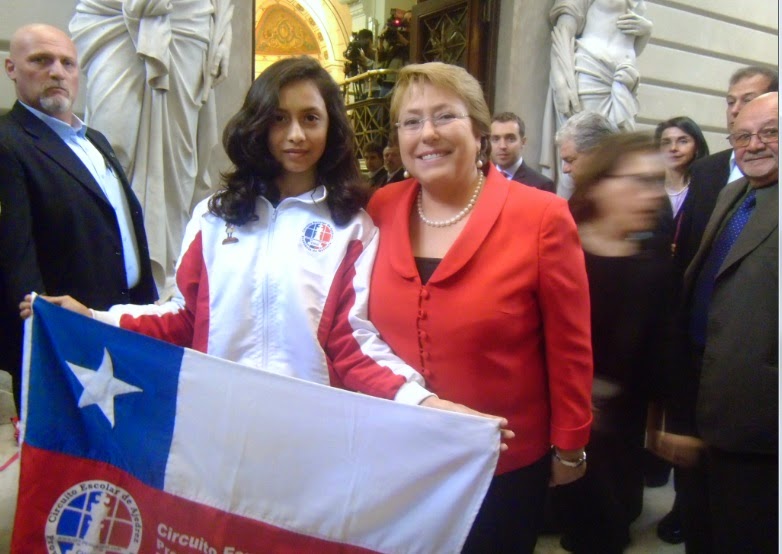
(69, 222)
(732, 318)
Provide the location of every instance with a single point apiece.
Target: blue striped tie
(704, 286)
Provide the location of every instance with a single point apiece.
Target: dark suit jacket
(396, 176)
(379, 178)
(58, 232)
(714, 169)
(528, 176)
(738, 391)
(708, 176)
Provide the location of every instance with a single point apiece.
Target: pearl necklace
(458, 217)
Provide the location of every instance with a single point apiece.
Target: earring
(406, 174)
(479, 164)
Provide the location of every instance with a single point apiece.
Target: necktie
(704, 285)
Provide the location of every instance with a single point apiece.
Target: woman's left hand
(562, 474)
(440, 404)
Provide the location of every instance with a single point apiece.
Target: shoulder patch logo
(317, 236)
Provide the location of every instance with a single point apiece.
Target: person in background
(618, 197)
(366, 41)
(392, 161)
(508, 139)
(708, 176)
(720, 169)
(69, 221)
(275, 266)
(681, 143)
(576, 139)
(373, 158)
(727, 371)
(503, 330)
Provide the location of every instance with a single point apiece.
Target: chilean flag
(132, 445)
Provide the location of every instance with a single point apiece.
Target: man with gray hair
(575, 139)
(710, 174)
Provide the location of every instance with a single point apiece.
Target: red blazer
(503, 325)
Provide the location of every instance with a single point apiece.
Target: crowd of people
(466, 284)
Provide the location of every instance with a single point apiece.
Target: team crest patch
(317, 236)
(94, 516)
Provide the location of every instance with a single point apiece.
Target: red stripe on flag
(167, 523)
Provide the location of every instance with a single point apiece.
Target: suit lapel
(99, 141)
(725, 201)
(485, 213)
(104, 149)
(762, 222)
(55, 149)
(400, 248)
(521, 173)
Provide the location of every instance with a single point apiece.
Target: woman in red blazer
(479, 284)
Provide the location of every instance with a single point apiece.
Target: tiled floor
(657, 501)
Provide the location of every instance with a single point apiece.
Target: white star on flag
(100, 387)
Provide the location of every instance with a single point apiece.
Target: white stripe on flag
(325, 462)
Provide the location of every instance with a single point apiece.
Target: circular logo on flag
(317, 236)
(94, 516)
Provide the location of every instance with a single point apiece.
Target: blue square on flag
(89, 398)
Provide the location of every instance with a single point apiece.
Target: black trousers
(511, 515)
(596, 511)
(692, 493)
(743, 501)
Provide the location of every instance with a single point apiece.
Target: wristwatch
(570, 463)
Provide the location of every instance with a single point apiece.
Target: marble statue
(595, 44)
(150, 67)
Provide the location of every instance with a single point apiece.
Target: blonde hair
(451, 78)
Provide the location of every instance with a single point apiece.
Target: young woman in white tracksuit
(275, 267)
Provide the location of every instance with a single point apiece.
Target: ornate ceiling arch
(295, 27)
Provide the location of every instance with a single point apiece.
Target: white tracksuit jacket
(289, 296)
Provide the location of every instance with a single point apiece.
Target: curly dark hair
(245, 140)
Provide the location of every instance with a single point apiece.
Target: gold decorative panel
(445, 36)
(370, 120)
(283, 32)
(317, 28)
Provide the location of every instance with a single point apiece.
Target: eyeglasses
(742, 140)
(415, 124)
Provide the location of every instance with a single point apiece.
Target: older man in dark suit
(731, 294)
(69, 222)
(507, 142)
(709, 175)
